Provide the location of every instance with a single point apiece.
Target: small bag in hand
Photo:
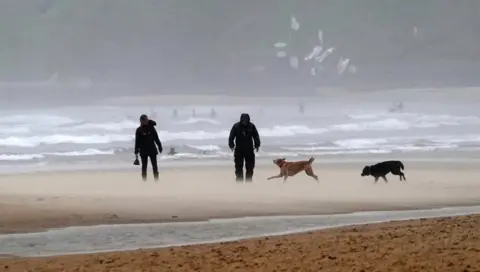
(136, 162)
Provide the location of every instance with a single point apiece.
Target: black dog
(383, 168)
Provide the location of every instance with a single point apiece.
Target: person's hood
(245, 118)
(150, 123)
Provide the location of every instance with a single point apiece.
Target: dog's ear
(283, 159)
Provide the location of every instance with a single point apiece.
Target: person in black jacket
(146, 137)
(243, 139)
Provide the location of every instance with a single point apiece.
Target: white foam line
(358, 219)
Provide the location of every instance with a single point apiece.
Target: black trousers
(241, 156)
(153, 160)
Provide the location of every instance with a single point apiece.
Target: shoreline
(331, 93)
(424, 158)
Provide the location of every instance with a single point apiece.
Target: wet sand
(444, 244)
(38, 201)
(121, 237)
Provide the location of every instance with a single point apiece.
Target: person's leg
(153, 159)
(249, 165)
(238, 158)
(144, 160)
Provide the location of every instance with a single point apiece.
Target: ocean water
(104, 133)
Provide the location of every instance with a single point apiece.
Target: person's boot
(144, 176)
(249, 176)
(239, 176)
(155, 176)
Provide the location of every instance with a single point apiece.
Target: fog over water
(365, 77)
(232, 47)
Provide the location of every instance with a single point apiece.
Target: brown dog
(289, 169)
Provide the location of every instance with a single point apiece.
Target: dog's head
(279, 162)
(366, 171)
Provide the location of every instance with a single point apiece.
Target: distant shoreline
(45, 98)
(319, 96)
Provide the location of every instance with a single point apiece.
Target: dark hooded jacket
(146, 140)
(244, 134)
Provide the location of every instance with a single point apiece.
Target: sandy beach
(37, 201)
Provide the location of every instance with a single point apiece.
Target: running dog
(289, 169)
(383, 168)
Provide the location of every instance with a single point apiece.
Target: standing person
(243, 140)
(146, 137)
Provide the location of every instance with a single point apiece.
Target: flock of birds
(320, 52)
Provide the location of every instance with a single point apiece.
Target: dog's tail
(401, 165)
(312, 159)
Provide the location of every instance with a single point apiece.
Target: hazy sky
(230, 44)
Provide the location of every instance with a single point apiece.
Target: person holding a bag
(146, 144)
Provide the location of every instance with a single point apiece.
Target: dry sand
(446, 244)
(44, 200)
(31, 202)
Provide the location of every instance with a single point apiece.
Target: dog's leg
(400, 174)
(403, 176)
(309, 172)
(277, 176)
(385, 179)
(285, 176)
(376, 179)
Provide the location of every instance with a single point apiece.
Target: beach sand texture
(38, 201)
(44, 200)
